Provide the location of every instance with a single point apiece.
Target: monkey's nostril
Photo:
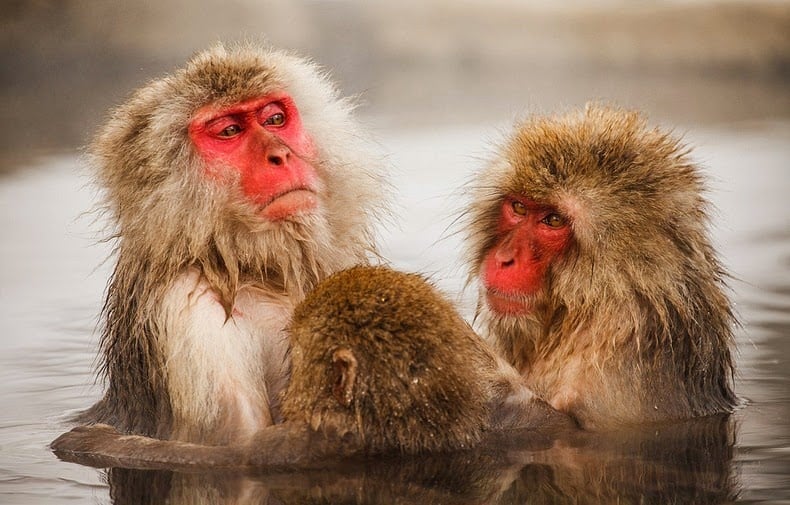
(275, 160)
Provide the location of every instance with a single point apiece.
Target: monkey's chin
(292, 203)
(504, 305)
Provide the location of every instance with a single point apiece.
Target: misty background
(414, 64)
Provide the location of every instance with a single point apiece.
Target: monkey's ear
(344, 366)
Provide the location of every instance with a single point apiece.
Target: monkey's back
(423, 375)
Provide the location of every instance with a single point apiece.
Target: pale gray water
(52, 277)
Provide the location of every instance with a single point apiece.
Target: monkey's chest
(223, 374)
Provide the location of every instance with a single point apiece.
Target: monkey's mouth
(505, 304)
(289, 203)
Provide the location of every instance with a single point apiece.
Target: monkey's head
(383, 354)
(592, 220)
(245, 161)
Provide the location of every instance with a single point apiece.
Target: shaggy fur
(172, 221)
(421, 381)
(423, 375)
(633, 323)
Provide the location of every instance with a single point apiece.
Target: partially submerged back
(385, 354)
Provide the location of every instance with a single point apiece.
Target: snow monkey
(381, 363)
(235, 184)
(588, 237)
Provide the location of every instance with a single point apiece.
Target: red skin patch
(529, 237)
(264, 141)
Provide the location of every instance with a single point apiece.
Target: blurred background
(416, 64)
(439, 83)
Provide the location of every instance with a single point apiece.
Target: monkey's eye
(519, 208)
(272, 114)
(229, 131)
(554, 220)
(275, 119)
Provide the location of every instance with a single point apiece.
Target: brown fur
(633, 322)
(425, 380)
(171, 223)
(381, 363)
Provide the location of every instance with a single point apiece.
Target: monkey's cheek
(297, 202)
(507, 305)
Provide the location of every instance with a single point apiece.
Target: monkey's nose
(505, 254)
(277, 156)
(504, 260)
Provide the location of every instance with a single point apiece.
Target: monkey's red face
(264, 141)
(529, 237)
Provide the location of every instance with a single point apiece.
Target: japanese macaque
(381, 363)
(235, 184)
(598, 282)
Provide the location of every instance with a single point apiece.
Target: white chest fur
(223, 374)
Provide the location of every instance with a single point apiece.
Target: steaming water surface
(52, 276)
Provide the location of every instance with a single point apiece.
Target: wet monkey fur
(234, 184)
(381, 363)
(406, 371)
(588, 238)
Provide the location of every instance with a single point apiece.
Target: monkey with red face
(598, 282)
(235, 184)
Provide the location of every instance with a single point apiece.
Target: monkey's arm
(288, 445)
(519, 408)
(101, 446)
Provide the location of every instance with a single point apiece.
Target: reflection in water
(762, 460)
(688, 462)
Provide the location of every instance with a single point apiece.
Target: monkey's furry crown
(615, 178)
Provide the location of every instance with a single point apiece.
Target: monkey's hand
(102, 446)
(87, 445)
